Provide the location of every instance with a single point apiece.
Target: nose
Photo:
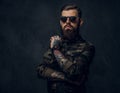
(68, 20)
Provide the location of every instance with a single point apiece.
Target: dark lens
(72, 18)
(63, 19)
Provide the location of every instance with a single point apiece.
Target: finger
(57, 37)
(52, 38)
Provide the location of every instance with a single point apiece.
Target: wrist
(58, 55)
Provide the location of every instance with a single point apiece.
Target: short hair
(72, 6)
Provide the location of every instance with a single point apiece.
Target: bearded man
(66, 63)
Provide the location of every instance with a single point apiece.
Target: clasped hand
(55, 42)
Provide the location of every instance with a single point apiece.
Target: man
(67, 60)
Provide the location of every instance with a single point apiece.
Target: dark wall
(25, 29)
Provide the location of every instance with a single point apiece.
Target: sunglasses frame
(71, 18)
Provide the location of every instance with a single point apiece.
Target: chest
(73, 49)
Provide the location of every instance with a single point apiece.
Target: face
(69, 23)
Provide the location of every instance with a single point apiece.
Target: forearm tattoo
(60, 57)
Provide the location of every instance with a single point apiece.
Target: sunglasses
(71, 18)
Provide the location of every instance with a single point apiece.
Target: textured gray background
(25, 29)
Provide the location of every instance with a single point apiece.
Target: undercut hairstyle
(72, 6)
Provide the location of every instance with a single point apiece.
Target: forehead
(72, 12)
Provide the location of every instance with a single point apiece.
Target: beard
(69, 33)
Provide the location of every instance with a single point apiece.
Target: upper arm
(48, 57)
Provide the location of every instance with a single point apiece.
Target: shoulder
(89, 44)
(90, 47)
(86, 45)
(48, 57)
(48, 53)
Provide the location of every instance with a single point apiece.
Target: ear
(81, 22)
(60, 22)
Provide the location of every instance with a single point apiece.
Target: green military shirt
(78, 55)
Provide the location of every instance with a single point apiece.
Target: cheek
(62, 25)
(74, 25)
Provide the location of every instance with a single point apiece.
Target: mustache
(68, 25)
